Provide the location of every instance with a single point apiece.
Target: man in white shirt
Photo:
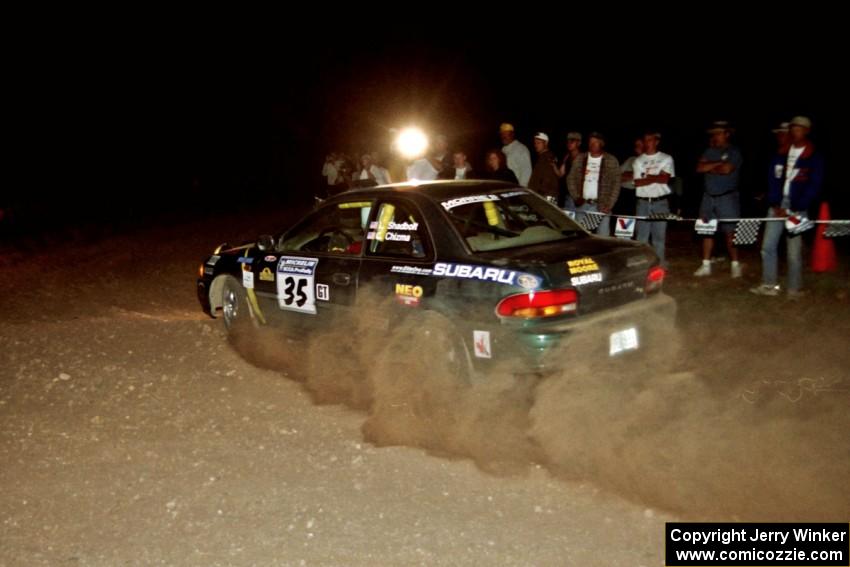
(652, 171)
(460, 168)
(369, 173)
(519, 158)
(594, 182)
(794, 186)
(422, 169)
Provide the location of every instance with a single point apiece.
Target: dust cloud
(654, 427)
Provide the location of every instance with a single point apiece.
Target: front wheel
(234, 307)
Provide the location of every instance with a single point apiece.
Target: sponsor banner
(705, 227)
(486, 273)
(582, 266)
(625, 228)
(460, 201)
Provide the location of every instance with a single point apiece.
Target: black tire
(418, 382)
(235, 311)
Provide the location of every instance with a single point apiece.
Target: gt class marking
(323, 292)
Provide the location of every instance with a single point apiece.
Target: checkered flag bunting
(836, 229)
(663, 216)
(590, 221)
(747, 232)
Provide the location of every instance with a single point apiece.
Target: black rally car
(509, 274)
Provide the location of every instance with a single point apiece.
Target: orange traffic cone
(823, 252)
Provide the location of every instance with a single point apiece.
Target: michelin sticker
(460, 201)
(296, 284)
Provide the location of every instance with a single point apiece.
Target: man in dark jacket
(794, 184)
(544, 177)
(594, 182)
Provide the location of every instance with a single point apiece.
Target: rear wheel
(418, 383)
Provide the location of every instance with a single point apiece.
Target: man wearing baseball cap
(594, 181)
(544, 178)
(794, 184)
(652, 172)
(518, 157)
(720, 164)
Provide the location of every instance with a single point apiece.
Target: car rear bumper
(544, 346)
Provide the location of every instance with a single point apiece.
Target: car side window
(334, 229)
(397, 230)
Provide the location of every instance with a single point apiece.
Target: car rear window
(508, 219)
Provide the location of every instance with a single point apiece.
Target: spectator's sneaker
(718, 259)
(737, 270)
(765, 289)
(704, 270)
(797, 294)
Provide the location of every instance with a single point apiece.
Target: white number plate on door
(296, 278)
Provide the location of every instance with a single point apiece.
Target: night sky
(108, 132)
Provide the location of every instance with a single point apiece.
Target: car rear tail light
(654, 279)
(532, 305)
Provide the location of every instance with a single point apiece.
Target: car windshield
(508, 219)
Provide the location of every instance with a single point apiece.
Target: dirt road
(132, 433)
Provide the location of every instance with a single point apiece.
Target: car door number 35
(296, 279)
(293, 291)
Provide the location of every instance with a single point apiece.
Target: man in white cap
(794, 184)
(594, 182)
(652, 171)
(544, 178)
(518, 156)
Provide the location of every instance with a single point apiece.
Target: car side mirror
(265, 242)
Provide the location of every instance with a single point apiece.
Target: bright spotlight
(412, 143)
